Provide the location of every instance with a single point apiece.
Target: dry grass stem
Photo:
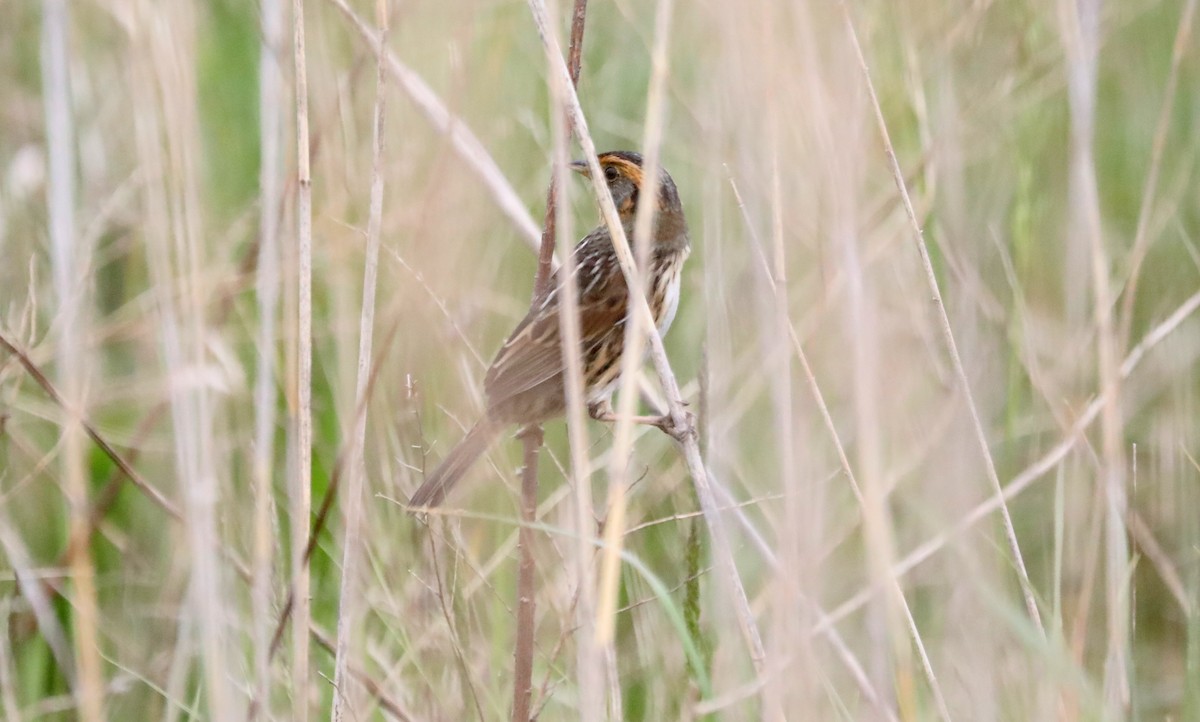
(531, 440)
(267, 294)
(531, 437)
(68, 257)
(345, 702)
(633, 357)
(167, 144)
(300, 490)
(947, 332)
(1080, 30)
(589, 658)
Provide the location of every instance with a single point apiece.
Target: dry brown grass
(947, 467)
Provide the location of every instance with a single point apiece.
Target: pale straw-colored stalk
(165, 87)
(589, 658)
(889, 660)
(800, 508)
(270, 112)
(636, 329)
(1080, 33)
(300, 489)
(344, 701)
(68, 258)
(532, 436)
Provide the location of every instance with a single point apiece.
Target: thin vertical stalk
(193, 407)
(635, 332)
(1081, 38)
(589, 660)
(788, 690)
(590, 663)
(166, 125)
(889, 663)
(301, 488)
(782, 375)
(349, 603)
(531, 437)
(202, 492)
(67, 259)
(270, 109)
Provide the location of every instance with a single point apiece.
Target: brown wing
(532, 355)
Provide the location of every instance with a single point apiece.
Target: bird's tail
(456, 463)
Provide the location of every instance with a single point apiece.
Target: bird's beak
(580, 167)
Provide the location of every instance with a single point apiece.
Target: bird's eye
(610, 173)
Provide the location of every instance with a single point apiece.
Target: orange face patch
(630, 170)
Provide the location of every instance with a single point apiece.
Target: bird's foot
(602, 410)
(678, 431)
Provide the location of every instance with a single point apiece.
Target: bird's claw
(601, 410)
(680, 432)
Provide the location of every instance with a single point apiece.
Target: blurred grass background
(764, 97)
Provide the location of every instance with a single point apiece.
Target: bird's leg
(602, 410)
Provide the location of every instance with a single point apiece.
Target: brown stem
(523, 656)
(531, 437)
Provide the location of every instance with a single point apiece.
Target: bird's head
(623, 173)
